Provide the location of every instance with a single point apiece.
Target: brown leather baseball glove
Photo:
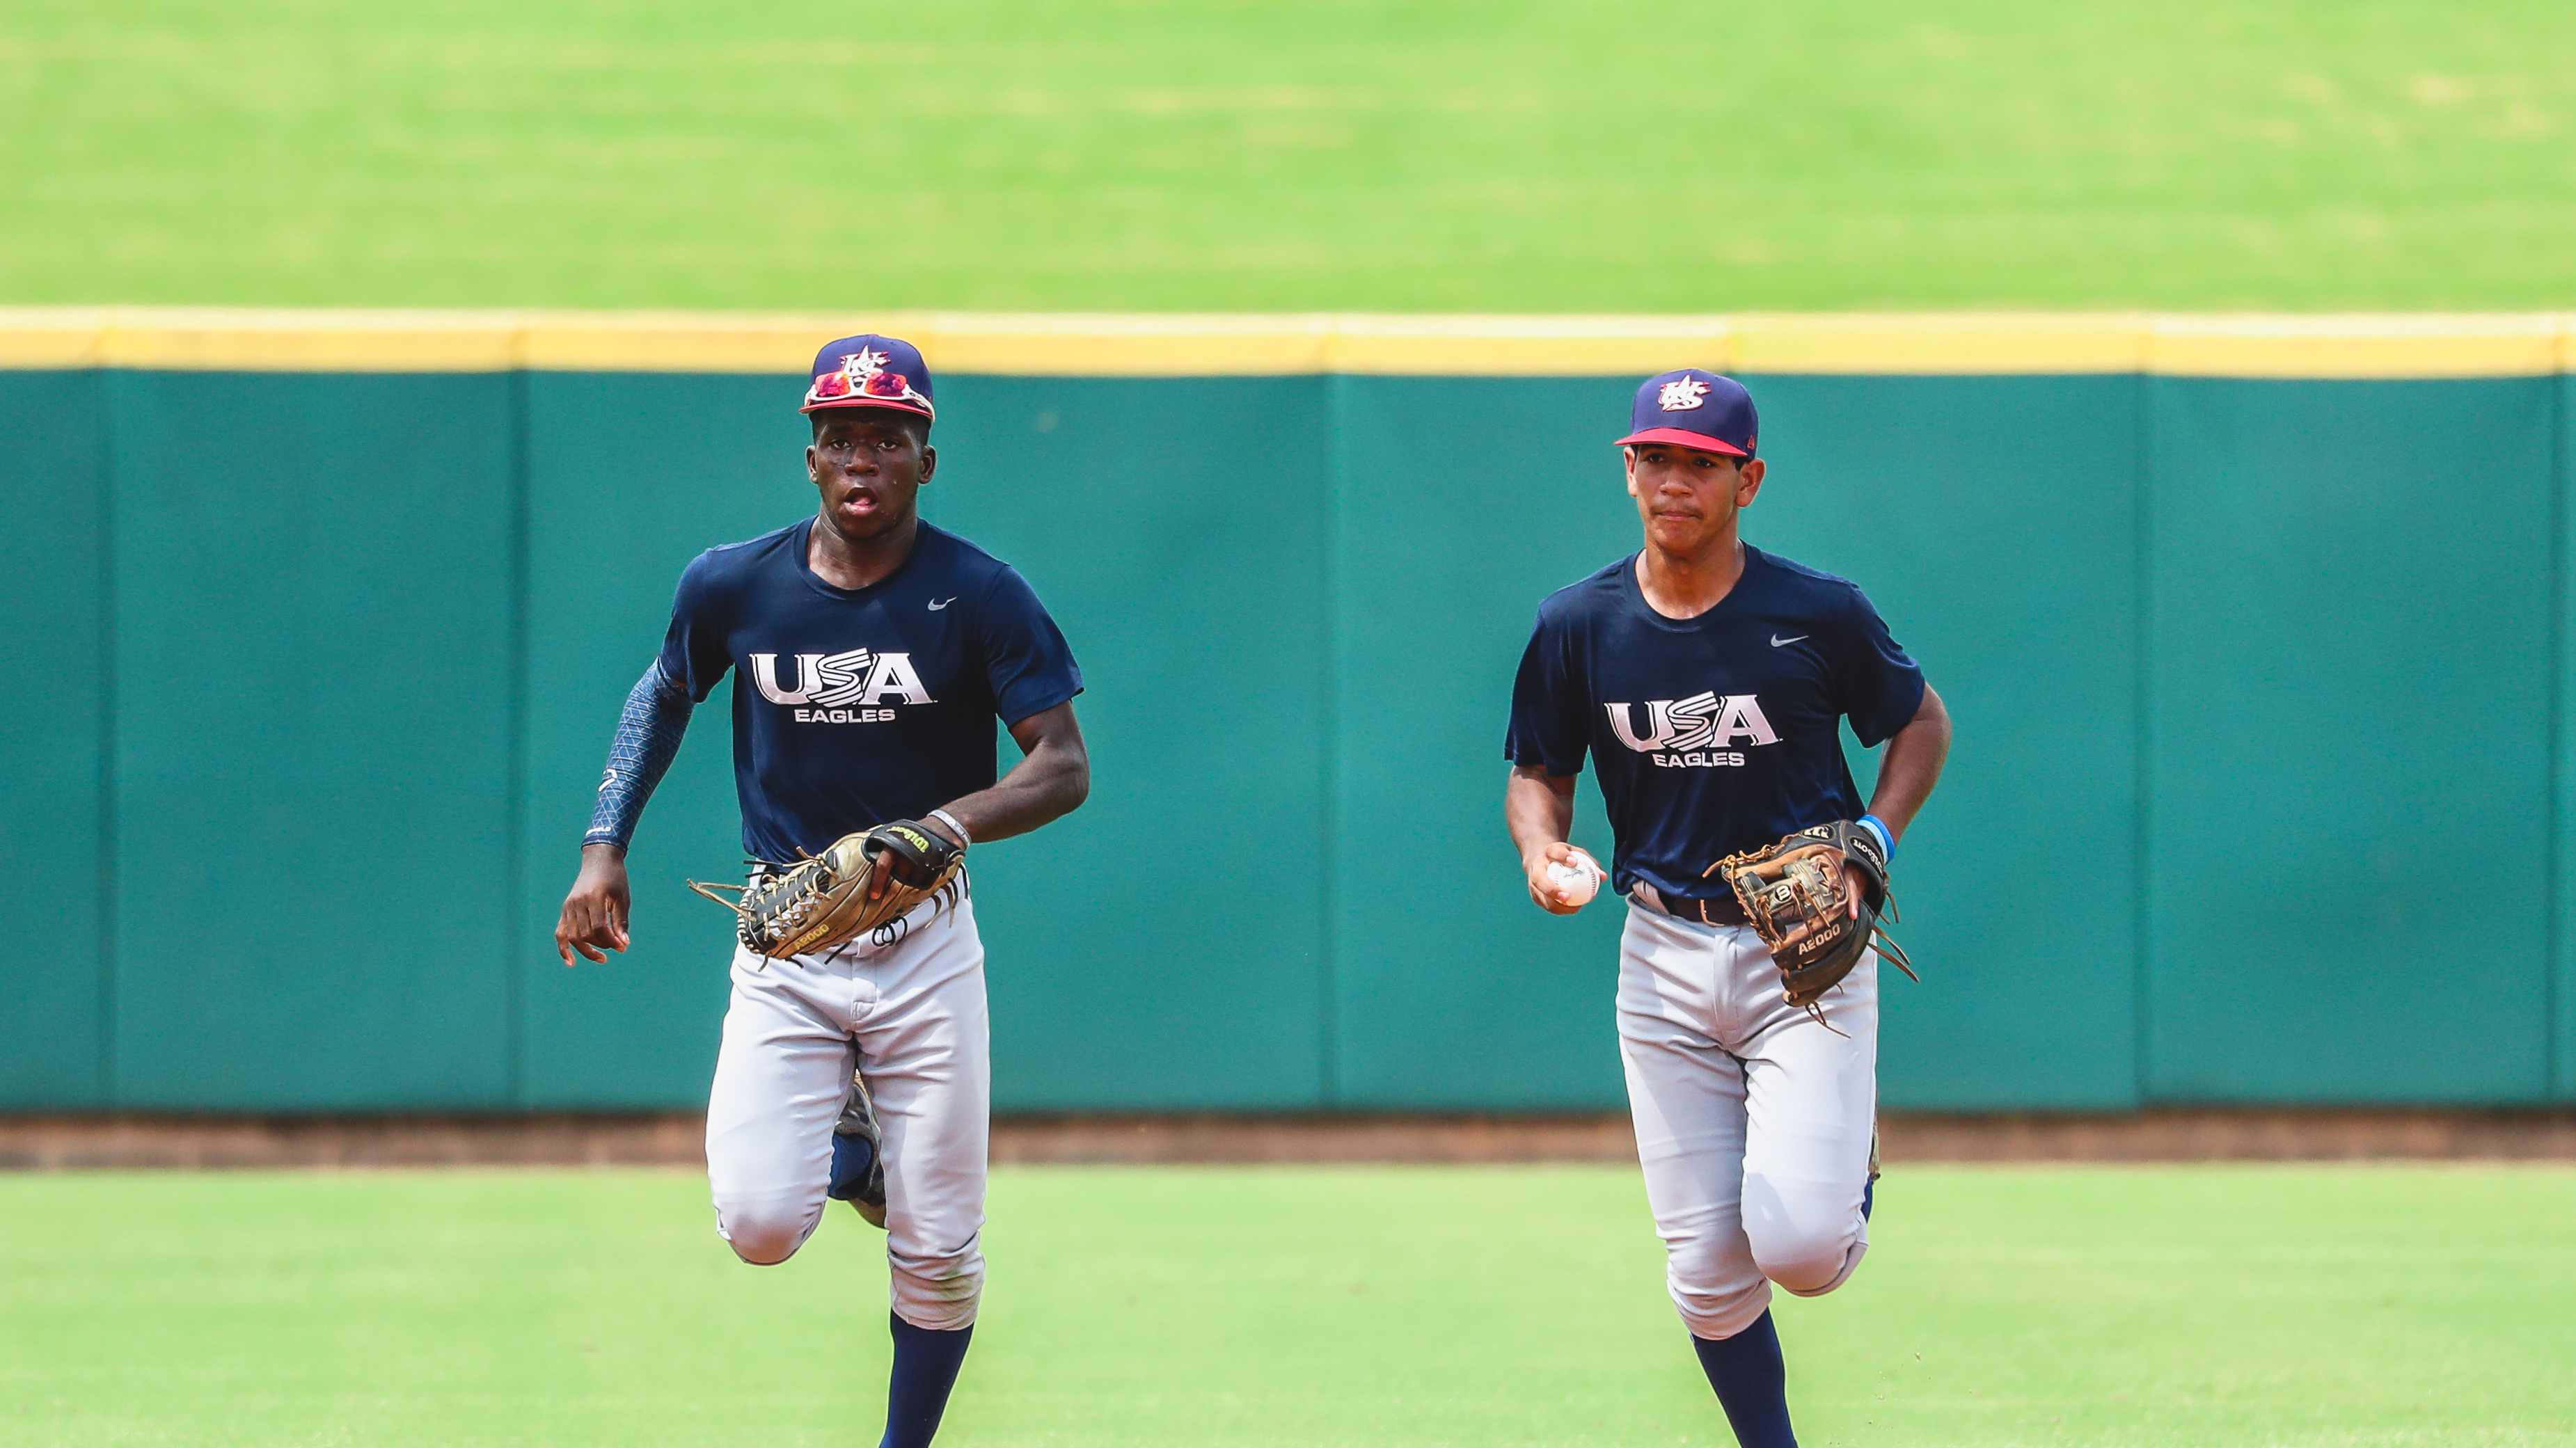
(819, 902)
(1797, 897)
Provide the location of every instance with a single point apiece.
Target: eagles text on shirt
(1712, 734)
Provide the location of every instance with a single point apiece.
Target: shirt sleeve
(648, 736)
(1877, 685)
(694, 655)
(1026, 660)
(1551, 718)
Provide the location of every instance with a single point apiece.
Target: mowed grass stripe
(1209, 155)
(1382, 1306)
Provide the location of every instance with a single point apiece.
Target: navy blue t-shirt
(1712, 734)
(861, 705)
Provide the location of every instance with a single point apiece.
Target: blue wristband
(1886, 837)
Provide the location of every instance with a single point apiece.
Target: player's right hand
(594, 914)
(1544, 892)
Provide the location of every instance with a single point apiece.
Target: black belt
(1723, 910)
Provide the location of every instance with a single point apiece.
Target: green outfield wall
(2261, 676)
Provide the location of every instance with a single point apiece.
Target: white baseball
(1578, 880)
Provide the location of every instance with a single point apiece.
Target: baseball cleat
(858, 1156)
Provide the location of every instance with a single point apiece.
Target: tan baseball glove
(1798, 898)
(819, 902)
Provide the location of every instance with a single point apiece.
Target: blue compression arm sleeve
(648, 736)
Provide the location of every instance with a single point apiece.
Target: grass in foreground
(1393, 1307)
(1346, 154)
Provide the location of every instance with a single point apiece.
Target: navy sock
(925, 1368)
(1752, 1383)
(1867, 1191)
(851, 1158)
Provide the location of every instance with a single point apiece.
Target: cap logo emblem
(864, 373)
(1682, 395)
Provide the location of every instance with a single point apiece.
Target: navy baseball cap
(1694, 409)
(870, 371)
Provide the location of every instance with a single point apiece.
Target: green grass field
(1459, 155)
(1385, 1307)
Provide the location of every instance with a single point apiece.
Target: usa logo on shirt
(828, 684)
(1694, 733)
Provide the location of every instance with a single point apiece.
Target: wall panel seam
(1329, 718)
(2142, 738)
(2554, 934)
(514, 846)
(104, 479)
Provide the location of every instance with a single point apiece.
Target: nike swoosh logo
(937, 604)
(1777, 641)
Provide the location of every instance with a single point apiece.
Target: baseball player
(873, 653)
(1707, 680)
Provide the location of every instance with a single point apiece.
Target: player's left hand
(1790, 904)
(1855, 882)
(909, 852)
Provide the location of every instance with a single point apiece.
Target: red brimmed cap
(870, 371)
(1694, 409)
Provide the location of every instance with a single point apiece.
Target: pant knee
(1717, 1311)
(1807, 1236)
(938, 1291)
(766, 1235)
(1714, 1284)
(1809, 1259)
